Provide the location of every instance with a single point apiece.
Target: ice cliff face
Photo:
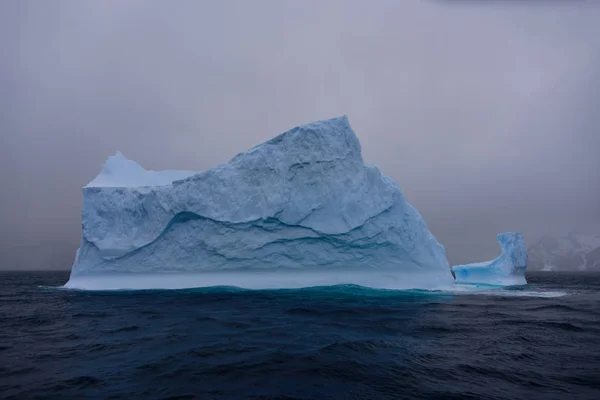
(302, 202)
(507, 269)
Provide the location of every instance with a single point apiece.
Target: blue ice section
(302, 201)
(507, 269)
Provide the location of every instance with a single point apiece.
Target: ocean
(541, 341)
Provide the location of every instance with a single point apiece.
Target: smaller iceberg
(507, 269)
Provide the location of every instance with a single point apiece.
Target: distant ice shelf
(301, 209)
(507, 269)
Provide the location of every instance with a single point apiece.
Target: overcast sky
(487, 113)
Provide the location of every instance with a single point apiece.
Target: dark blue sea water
(536, 342)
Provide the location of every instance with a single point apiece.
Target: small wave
(81, 382)
(131, 328)
(554, 307)
(526, 293)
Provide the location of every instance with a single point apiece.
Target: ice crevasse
(301, 209)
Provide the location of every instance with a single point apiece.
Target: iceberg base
(482, 275)
(269, 279)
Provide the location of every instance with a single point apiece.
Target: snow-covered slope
(298, 210)
(575, 252)
(118, 171)
(507, 269)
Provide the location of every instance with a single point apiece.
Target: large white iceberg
(507, 269)
(301, 209)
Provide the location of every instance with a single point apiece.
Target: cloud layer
(486, 114)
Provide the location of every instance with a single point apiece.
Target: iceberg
(506, 270)
(302, 209)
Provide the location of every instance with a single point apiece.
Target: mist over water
(485, 113)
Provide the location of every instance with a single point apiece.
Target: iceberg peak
(316, 142)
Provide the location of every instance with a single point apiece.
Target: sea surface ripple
(541, 341)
